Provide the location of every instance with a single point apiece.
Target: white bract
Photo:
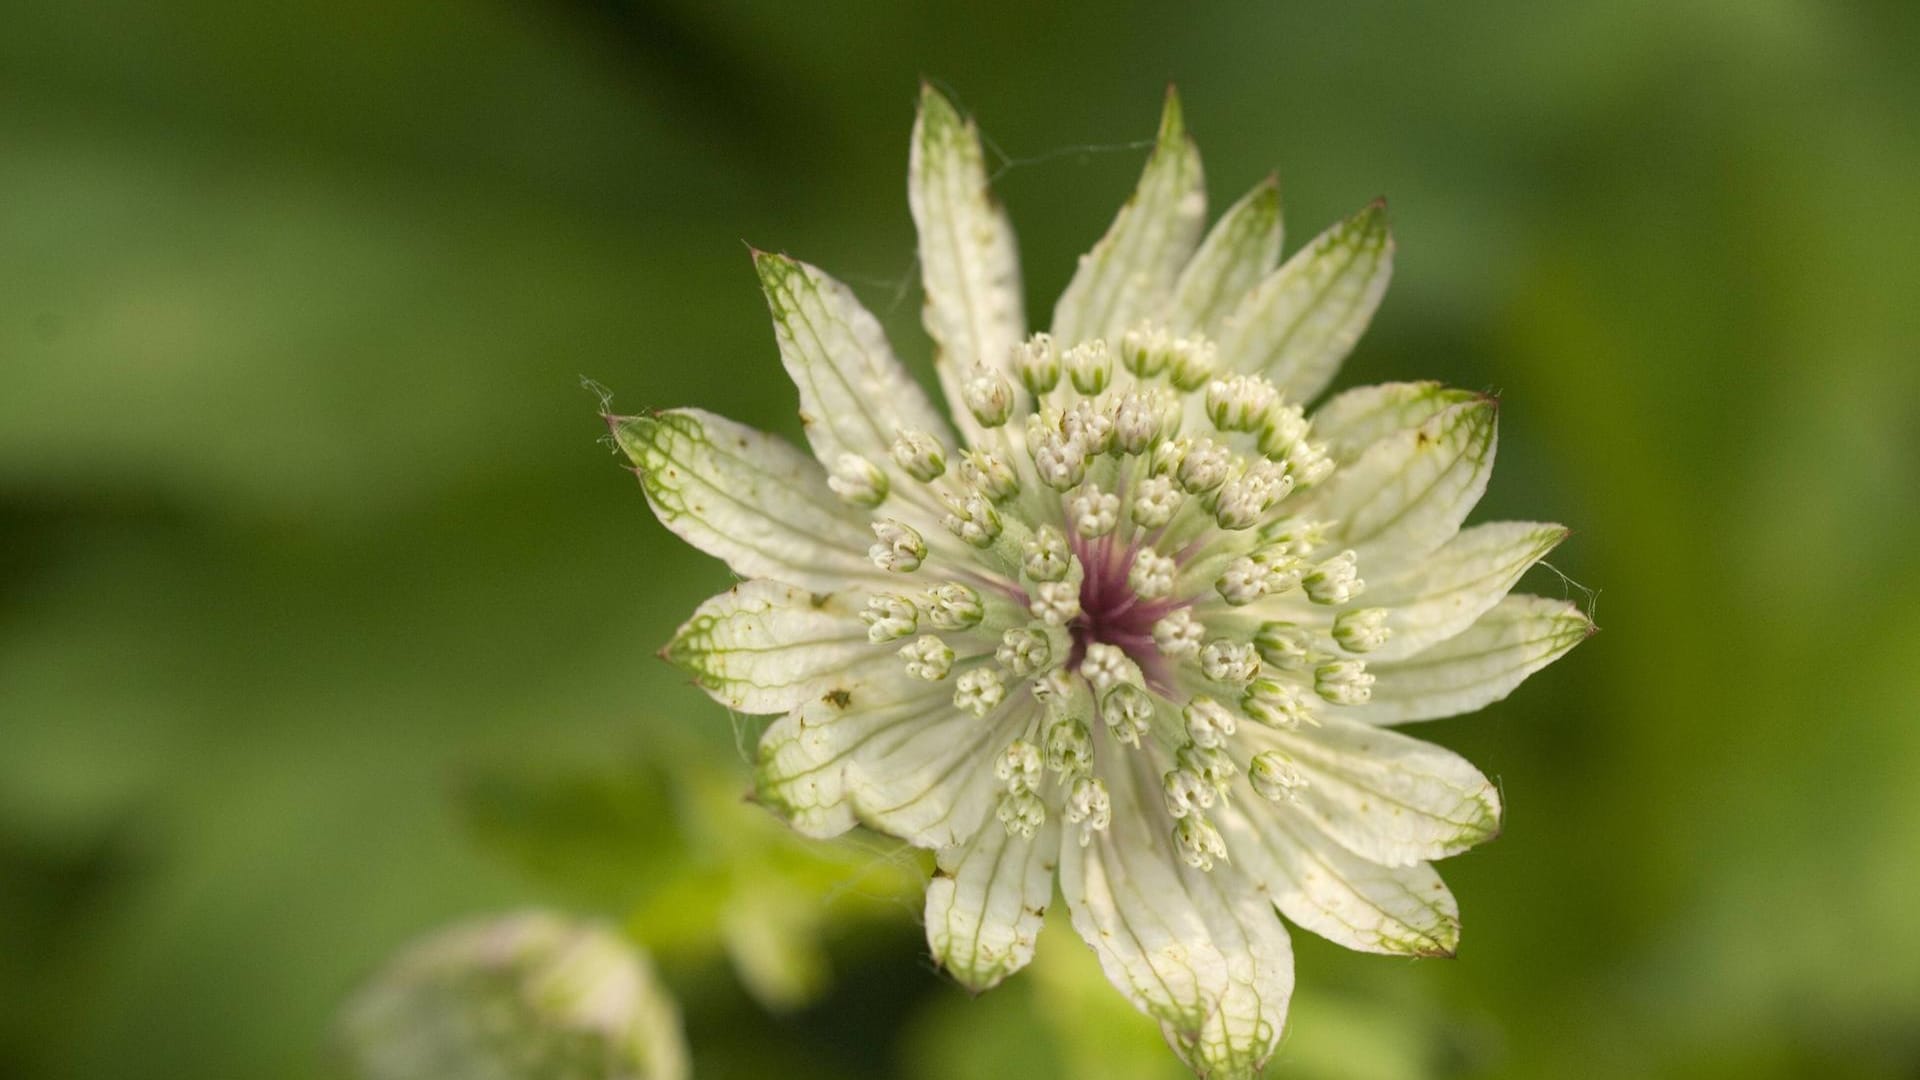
(1150, 633)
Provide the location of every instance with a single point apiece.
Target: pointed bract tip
(935, 106)
(1172, 123)
(634, 435)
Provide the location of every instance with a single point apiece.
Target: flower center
(1113, 613)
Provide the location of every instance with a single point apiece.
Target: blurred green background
(326, 618)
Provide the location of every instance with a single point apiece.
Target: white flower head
(533, 994)
(1147, 674)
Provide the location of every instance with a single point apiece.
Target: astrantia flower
(533, 996)
(1130, 613)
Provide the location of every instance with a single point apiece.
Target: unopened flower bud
(1128, 712)
(919, 454)
(1089, 366)
(1037, 363)
(1362, 630)
(1335, 581)
(899, 548)
(1344, 682)
(954, 606)
(858, 480)
(989, 396)
(927, 658)
(979, 691)
(1198, 841)
(889, 618)
(1274, 777)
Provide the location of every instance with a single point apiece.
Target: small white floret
(1151, 575)
(1154, 502)
(1037, 363)
(1362, 630)
(1199, 842)
(889, 618)
(1335, 581)
(979, 691)
(1231, 662)
(1089, 366)
(1128, 712)
(1274, 777)
(899, 548)
(989, 474)
(1094, 512)
(989, 396)
(858, 480)
(954, 606)
(1046, 555)
(1178, 634)
(919, 454)
(1344, 682)
(1209, 723)
(927, 658)
(1089, 807)
(1024, 651)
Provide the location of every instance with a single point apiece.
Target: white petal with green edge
(1444, 593)
(1202, 952)
(801, 767)
(1130, 273)
(1303, 320)
(854, 394)
(766, 646)
(932, 783)
(1387, 797)
(1409, 492)
(1350, 422)
(747, 498)
(1344, 898)
(987, 899)
(1240, 249)
(969, 262)
(1479, 666)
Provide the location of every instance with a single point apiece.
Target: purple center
(1110, 611)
